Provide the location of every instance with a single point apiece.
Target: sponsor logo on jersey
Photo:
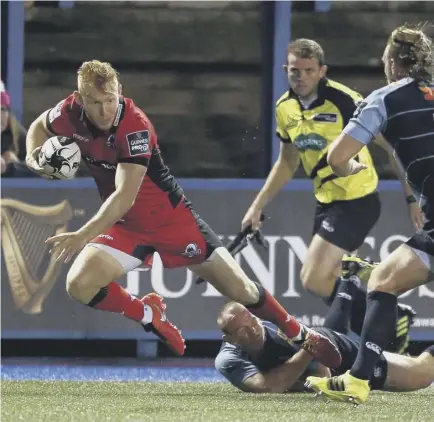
(360, 106)
(138, 142)
(118, 115)
(105, 236)
(79, 137)
(103, 164)
(325, 117)
(55, 112)
(192, 250)
(312, 141)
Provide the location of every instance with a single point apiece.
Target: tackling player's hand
(32, 162)
(356, 167)
(417, 216)
(66, 245)
(252, 218)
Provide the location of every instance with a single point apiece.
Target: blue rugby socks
(378, 330)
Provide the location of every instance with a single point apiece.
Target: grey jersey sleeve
(234, 365)
(369, 119)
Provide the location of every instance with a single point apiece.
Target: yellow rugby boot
(344, 388)
(362, 268)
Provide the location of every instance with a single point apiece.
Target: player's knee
(77, 286)
(313, 281)
(252, 293)
(420, 380)
(425, 374)
(245, 293)
(425, 380)
(73, 285)
(306, 277)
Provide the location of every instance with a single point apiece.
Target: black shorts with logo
(346, 224)
(348, 349)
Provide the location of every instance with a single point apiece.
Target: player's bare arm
(282, 378)
(129, 177)
(340, 156)
(37, 134)
(281, 173)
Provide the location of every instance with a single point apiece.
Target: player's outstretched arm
(340, 156)
(281, 173)
(129, 177)
(37, 134)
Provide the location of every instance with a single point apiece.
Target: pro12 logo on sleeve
(138, 142)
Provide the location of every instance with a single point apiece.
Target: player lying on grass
(257, 357)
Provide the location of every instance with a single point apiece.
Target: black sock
(378, 330)
(338, 317)
(98, 297)
(359, 311)
(358, 306)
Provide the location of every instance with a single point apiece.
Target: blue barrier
(416, 334)
(187, 184)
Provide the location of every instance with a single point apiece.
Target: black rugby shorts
(346, 224)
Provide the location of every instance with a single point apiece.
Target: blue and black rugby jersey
(403, 112)
(236, 365)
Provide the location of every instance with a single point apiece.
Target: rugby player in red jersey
(144, 211)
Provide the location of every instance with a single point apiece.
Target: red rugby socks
(114, 298)
(270, 309)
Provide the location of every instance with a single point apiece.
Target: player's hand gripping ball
(60, 157)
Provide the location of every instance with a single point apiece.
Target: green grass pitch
(63, 401)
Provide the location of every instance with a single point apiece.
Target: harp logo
(31, 270)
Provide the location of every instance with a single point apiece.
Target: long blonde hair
(411, 49)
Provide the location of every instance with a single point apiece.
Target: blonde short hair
(100, 75)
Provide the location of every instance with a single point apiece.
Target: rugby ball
(60, 157)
